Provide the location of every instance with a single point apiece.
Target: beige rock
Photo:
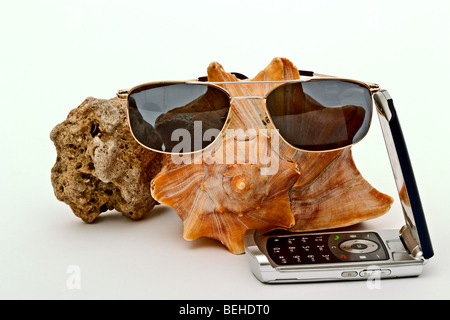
(99, 164)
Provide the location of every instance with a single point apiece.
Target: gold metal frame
(372, 87)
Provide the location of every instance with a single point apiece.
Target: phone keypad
(326, 248)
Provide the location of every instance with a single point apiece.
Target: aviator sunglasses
(315, 113)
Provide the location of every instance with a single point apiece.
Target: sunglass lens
(177, 117)
(321, 115)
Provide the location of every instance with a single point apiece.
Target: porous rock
(99, 165)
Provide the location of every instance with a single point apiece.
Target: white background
(55, 53)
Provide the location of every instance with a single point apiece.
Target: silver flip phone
(309, 257)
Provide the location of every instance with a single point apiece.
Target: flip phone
(308, 257)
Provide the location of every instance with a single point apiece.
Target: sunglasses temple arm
(306, 73)
(414, 234)
(240, 76)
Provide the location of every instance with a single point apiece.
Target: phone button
(359, 246)
(375, 272)
(349, 274)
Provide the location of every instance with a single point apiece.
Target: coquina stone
(99, 165)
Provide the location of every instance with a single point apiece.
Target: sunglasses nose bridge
(247, 101)
(248, 98)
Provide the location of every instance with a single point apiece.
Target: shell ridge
(189, 222)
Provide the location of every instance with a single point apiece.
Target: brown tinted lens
(177, 118)
(321, 115)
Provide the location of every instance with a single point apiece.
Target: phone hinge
(410, 243)
(381, 98)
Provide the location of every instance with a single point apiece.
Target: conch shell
(223, 193)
